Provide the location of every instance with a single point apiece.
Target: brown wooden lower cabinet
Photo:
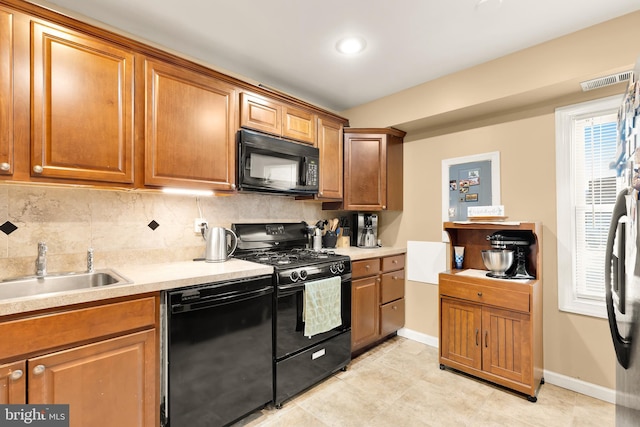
(97, 378)
(13, 384)
(486, 330)
(364, 311)
(108, 382)
(377, 297)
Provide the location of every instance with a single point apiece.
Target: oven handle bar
(220, 300)
(284, 290)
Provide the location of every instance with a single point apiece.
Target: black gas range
(284, 246)
(300, 359)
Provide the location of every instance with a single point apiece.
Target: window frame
(568, 301)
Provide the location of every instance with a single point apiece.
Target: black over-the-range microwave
(274, 165)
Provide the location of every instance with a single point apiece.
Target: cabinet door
(6, 93)
(110, 383)
(299, 125)
(460, 332)
(364, 312)
(365, 172)
(260, 114)
(190, 129)
(331, 159)
(506, 350)
(391, 317)
(13, 383)
(82, 119)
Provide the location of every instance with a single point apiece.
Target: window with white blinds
(586, 188)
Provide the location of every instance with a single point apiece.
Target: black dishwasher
(218, 364)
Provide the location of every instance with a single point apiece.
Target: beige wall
(508, 106)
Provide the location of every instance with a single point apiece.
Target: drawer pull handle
(479, 294)
(477, 336)
(16, 375)
(38, 370)
(486, 339)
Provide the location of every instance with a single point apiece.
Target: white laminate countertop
(165, 276)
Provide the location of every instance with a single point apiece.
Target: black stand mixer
(519, 242)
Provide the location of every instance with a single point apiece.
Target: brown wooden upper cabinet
(189, 129)
(373, 169)
(277, 118)
(6, 93)
(82, 102)
(331, 159)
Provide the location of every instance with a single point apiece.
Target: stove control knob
(294, 276)
(340, 266)
(303, 274)
(333, 268)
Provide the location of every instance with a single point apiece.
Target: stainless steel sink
(61, 282)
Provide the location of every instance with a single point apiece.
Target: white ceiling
(289, 45)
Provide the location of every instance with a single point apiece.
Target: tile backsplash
(118, 224)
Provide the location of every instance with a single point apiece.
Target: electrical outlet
(198, 224)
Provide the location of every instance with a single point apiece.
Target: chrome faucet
(41, 261)
(90, 268)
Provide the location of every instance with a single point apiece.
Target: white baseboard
(573, 384)
(579, 386)
(419, 336)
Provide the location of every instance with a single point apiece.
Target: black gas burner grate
(286, 257)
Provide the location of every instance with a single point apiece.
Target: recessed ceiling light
(351, 45)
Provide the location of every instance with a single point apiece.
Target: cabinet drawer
(366, 267)
(391, 317)
(391, 263)
(57, 330)
(392, 287)
(511, 300)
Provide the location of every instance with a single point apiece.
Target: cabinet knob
(5, 166)
(233, 186)
(17, 374)
(384, 207)
(395, 277)
(378, 280)
(395, 307)
(39, 369)
(367, 266)
(395, 261)
(38, 169)
(479, 294)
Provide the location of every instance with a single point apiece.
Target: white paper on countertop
(425, 260)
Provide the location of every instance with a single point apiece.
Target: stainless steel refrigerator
(623, 263)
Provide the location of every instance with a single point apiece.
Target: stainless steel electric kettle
(218, 247)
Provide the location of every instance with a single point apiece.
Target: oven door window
(290, 326)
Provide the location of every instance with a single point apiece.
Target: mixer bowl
(497, 261)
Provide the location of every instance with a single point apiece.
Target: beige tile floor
(399, 384)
